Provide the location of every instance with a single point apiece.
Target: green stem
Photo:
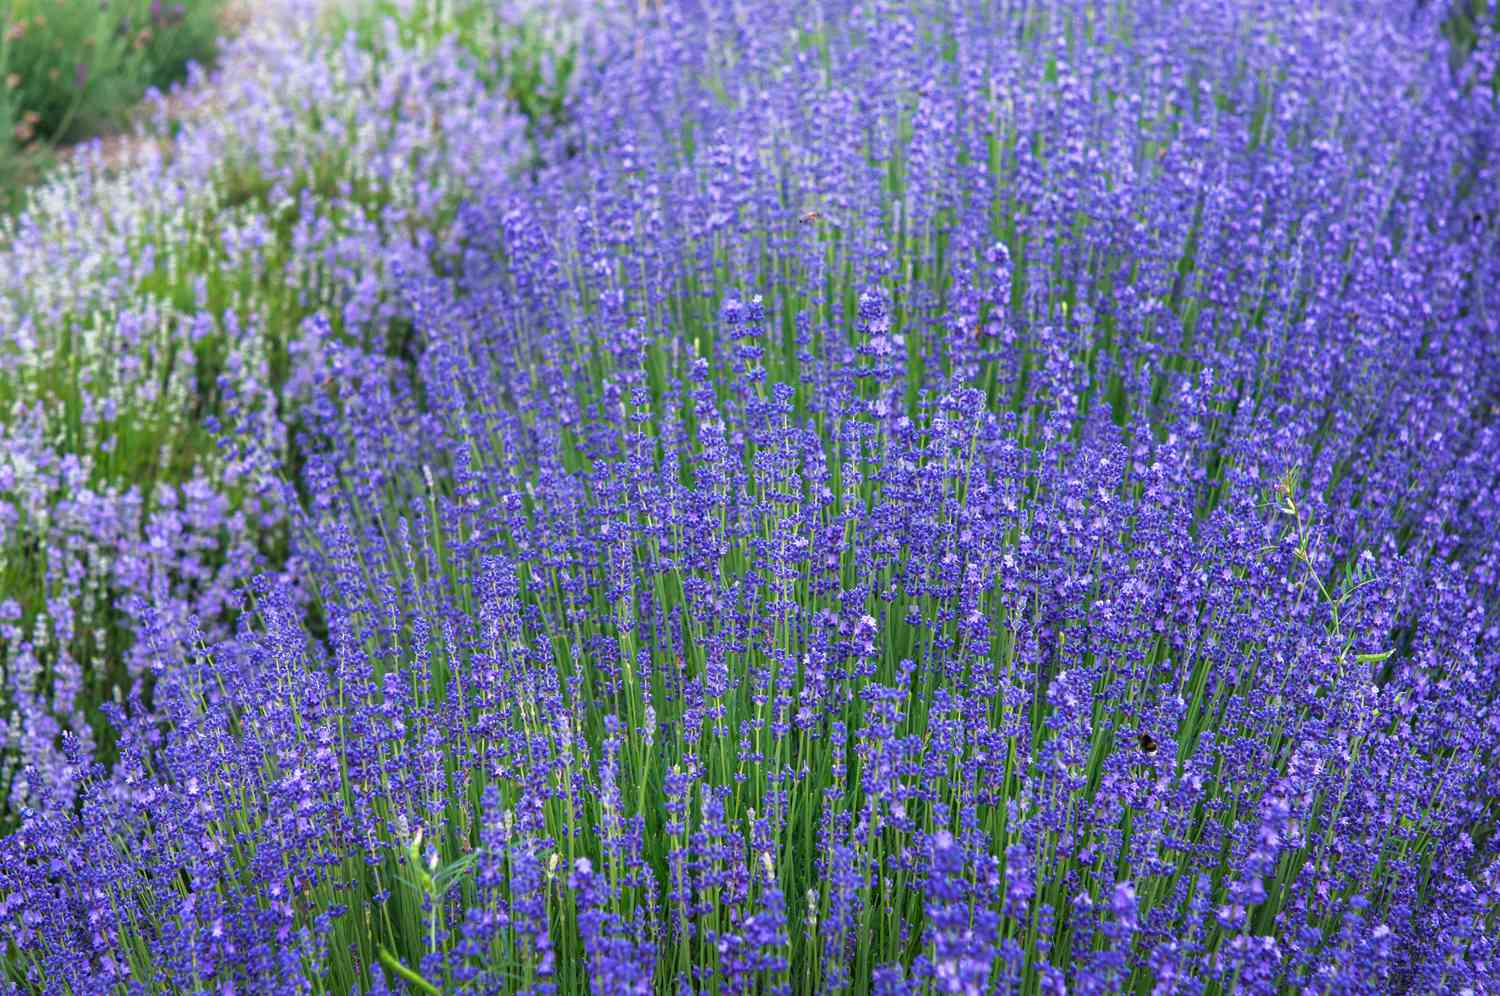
(390, 961)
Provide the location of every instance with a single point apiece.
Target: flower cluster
(903, 498)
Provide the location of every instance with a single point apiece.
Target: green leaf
(391, 962)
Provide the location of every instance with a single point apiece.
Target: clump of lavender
(225, 275)
(920, 500)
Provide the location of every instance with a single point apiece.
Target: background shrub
(69, 69)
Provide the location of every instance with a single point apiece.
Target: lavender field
(691, 497)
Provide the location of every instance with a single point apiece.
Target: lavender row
(235, 261)
(910, 498)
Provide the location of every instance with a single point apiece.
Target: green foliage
(19, 168)
(70, 69)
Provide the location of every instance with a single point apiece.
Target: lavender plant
(226, 274)
(910, 498)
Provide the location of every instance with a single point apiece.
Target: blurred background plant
(71, 69)
(528, 49)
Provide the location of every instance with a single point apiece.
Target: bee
(1147, 743)
(810, 216)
